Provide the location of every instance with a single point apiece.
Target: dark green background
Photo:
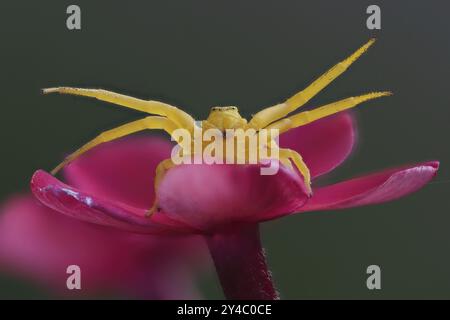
(197, 54)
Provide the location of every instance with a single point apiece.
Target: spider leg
(161, 171)
(281, 126)
(152, 122)
(296, 158)
(287, 163)
(274, 113)
(181, 118)
(306, 117)
(284, 161)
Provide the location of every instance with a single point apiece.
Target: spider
(169, 118)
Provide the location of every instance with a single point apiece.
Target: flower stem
(241, 264)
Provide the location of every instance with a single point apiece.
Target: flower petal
(323, 144)
(39, 243)
(207, 197)
(91, 208)
(372, 189)
(123, 170)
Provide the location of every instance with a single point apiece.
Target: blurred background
(198, 54)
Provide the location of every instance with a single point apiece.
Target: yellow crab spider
(170, 118)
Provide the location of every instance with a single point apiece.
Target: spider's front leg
(176, 115)
(297, 160)
(271, 114)
(152, 122)
(161, 171)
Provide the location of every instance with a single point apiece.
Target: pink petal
(92, 208)
(122, 170)
(40, 243)
(372, 189)
(207, 197)
(323, 144)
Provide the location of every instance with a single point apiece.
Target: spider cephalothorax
(276, 117)
(223, 118)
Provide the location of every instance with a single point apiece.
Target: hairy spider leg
(161, 171)
(152, 122)
(296, 158)
(178, 116)
(281, 126)
(306, 117)
(274, 113)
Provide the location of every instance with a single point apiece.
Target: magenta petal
(323, 144)
(87, 207)
(372, 189)
(123, 170)
(213, 196)
(39, 243)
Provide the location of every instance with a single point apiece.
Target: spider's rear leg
(284, 160)
(296, 158)
(161, 171)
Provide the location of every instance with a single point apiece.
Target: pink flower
(40, 243)
(224, 203)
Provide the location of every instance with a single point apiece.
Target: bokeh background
(197, 54)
